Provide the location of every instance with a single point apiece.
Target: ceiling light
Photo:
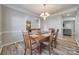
(68, 14)
(44, 14)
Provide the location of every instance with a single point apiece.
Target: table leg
(39, 48)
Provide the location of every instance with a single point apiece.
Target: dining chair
(51, 29)
(29, 45)
(55, 38)
(49, 42)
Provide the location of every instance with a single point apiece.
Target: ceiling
(37, 9)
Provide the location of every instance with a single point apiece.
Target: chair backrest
(27, 40)
(56, 34)
(51, 39)
(51, 30)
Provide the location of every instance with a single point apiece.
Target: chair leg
(50, 49)
(25, 52)
(31, 52)
(40, 48)
(52, 45)
(55, 43)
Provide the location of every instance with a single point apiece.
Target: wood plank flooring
(65, 46)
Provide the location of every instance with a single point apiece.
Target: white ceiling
(38, 8)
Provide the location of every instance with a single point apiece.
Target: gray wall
(13, 24)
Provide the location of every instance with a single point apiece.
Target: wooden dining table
(39, 38)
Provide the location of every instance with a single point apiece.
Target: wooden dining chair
(28, 43)
(50, 42)
(55, 38)
(51, 30)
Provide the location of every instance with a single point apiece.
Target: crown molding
(21, 10)
(34, 15)
(65, 11)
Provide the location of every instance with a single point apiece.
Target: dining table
(40, 38)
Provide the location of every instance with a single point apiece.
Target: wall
(54, 22)
(41, 24)
(77, 28)
(14, 23)
(0, 22)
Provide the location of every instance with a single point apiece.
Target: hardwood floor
(66, 46)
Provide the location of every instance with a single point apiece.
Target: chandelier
(44, 14)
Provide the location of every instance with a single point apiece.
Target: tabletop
(40, 37)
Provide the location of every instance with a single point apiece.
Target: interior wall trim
(21, 10)
(65, 11)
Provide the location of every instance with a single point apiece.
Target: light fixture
(68, 14)
(44, 14)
